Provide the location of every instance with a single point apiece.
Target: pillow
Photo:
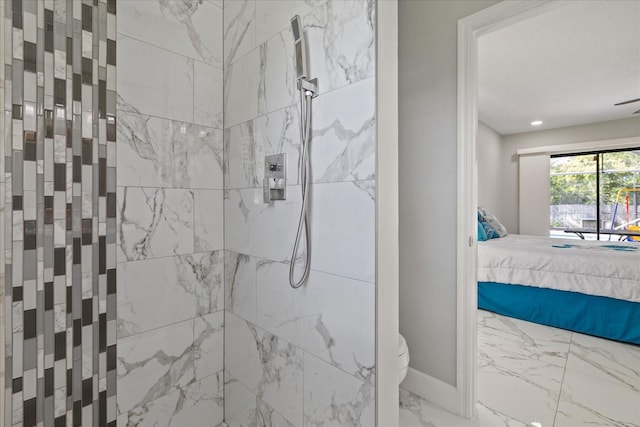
(482, 235)
(492, 221)
(488, 230)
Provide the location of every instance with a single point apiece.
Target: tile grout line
(168, 325)
(564, 373)
(184, 55)
(121, 110)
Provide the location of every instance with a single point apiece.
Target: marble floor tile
(520, 367)
(588, 400)
(606, 360)
(417, 412)
(530, 373)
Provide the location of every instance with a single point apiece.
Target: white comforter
(610, 269)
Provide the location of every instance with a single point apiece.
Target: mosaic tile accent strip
(60, 212)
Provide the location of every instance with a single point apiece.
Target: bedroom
(520, 198)
(498, 191)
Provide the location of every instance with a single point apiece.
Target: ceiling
(565, 67)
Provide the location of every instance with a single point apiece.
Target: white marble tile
(241, 88)
(343, 229)
(158, 292)
(277, 86)
(241, 155)
(242, 360)
(167, 153)
(240, 285)
(208, 220)
(279, 132)
(154, 222)
(417, 412)
(335, 398)
(266, 416)
(154, 81)
(343, 146)
(520, 367)
(198, 404)
(247, 143)
(208, 344)
(341, 42)
(587, 400)
(240, 404)
(605, 360)
(153, 364)
(207, 95)
(268, 366)
(218, 99)
(273, 16)
(320, 318)
(190, 28)
(205, 162)
(258, 229)
(239, 29)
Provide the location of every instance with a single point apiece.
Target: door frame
(387, 215)
(470, 29)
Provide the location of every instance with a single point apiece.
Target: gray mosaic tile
(49, 83)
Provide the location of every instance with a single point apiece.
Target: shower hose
(305, 177)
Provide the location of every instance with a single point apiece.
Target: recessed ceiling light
(536, 123)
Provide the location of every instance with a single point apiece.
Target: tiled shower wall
(170, 213)
(58, 179)
(306, 356)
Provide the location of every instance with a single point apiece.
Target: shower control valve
(274, 185)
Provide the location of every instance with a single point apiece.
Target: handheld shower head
(300, 49)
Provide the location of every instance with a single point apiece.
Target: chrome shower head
(300, 48)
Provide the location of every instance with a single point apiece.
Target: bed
(591, 287)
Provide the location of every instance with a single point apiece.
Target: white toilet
(403, 358)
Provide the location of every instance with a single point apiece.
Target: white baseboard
(432, 389)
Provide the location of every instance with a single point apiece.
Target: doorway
(469, 31)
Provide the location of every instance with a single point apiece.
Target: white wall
(534, 195)
(509, 211)
(427, 154)
(488, 149)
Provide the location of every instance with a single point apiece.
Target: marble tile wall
(58, 223)
(170, 213)
(306, 356)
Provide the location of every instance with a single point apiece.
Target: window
(596, 195)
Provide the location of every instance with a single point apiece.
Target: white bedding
(610, 269)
